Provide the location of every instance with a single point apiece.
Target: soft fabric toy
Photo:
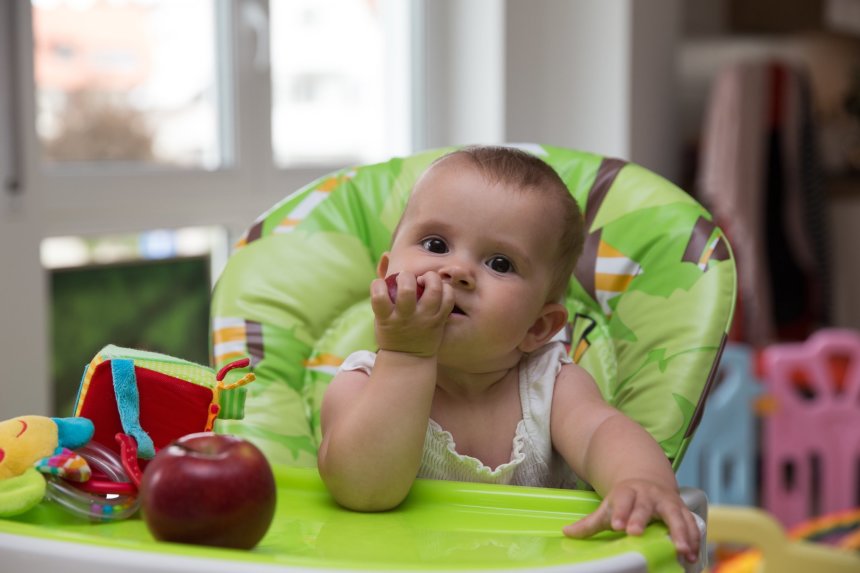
(34, 445)
(141, 401)
(131, 403)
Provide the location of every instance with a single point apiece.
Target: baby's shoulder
(572, 373)
(573, 382)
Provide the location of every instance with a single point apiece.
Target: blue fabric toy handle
(128, 404)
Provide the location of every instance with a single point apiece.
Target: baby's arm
(373, 431)
(374, 426)
(621, 461)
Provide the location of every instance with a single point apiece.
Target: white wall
(568, 77)
(462, 88)
(653, 129)
(595, 75)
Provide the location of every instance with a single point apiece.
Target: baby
(467, 383)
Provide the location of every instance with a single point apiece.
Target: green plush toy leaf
(20, 493)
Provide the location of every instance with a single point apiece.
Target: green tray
(441, 526)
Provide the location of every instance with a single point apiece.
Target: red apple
(209, 489)
(391, 282)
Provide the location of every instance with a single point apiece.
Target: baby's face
(494, 244)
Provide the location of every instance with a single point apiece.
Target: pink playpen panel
(811, 439)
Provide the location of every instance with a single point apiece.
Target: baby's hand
(411, 323)
(632, 504)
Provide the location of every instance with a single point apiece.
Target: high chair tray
(441, 526)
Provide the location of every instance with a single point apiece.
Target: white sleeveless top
(533, 461)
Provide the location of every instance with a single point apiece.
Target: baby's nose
(458, 275)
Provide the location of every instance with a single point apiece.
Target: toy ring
(109, 499)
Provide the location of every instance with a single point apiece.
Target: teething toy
(31, 446)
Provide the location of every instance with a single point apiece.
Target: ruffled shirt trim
(438, 436)
(533, 461)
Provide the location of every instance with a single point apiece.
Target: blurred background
(139, 138)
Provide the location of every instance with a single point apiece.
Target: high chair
(650, 304)
(650, 301)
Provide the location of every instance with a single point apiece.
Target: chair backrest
(811, 438)
(721, 459)
(650, 301)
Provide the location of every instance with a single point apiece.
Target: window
(148, 81)
(133, 115)
(337, 81)
(128, 81)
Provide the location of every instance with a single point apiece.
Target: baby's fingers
(611, 514)
(431, 285)
(592, 523)
(621, 505)
(380, 302)
(682, 530)
(684, 533)
(640, 516)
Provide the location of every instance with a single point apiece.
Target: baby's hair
(525, 171)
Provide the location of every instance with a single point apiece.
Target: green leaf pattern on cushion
(659, 363)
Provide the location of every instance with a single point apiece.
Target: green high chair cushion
(650, 302)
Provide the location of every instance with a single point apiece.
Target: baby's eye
(435, 245)
(500, 264)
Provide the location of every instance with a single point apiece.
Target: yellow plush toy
(34, 445)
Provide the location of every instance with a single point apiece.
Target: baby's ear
(553, 317)
(382, 266)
